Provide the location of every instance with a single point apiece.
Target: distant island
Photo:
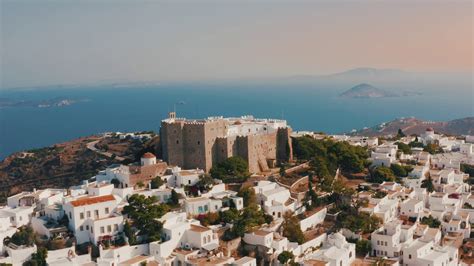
(54, 102)
(365, 90)
(462, 126)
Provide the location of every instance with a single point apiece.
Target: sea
(128, 108)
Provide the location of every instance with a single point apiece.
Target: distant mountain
(463, 126)
(368, 72)
(55, 102)
(365, 90)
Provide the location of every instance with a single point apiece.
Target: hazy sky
(60, 42)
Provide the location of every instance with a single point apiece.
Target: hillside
(463, 126)
(66, 164)
(365, 90)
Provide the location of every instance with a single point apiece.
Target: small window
(109, 228)
(81, 215)
(81, 228)
(199, 143)
(87, 227)
(102, 230)
(177, 141)
(88, 214)
(107, 210)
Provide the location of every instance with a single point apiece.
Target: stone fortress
(205, 142)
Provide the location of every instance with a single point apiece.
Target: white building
(384, 155)
(387, 241)
(180, 232)
(274, 199)
(335, 250)
(91, 218)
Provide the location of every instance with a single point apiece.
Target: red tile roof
(92, 200)
(148, 155)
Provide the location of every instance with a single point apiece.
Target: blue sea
(137, 108)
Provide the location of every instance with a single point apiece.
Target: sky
(70, 42)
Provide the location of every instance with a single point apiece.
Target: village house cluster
(91, 214)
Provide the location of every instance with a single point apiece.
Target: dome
(430, 129)
(148, 155)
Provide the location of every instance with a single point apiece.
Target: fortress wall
(284, 145)
(194, 146)
(213, 130)
(203, 144)
(172, 142)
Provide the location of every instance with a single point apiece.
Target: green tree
(431, 221)
(130, 233)
(291, 228)
(357, 221)
(248, 194)
(398, 170)
(205, 182)
(232, 169)
(363, 247)
(25, 236)
(381, 174)
(400, 134)
(405, 148)
(229, 216)
(145, 212)
(38, 258)
(285, 257)
(468, 169)
(428, 184)
(156, 182)
(140, 184)
(174, 198)
(416, 144)
(433, 148)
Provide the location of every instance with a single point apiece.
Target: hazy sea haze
(136, 108)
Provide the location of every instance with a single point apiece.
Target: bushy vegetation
(25, 236)
(356, 221)
(38, 258)
(416, 143)
(250, 217)
(233, 169)
(431, 221)
(327, 155)
(405, 148)
(400, 170)
(433, 148)
(291, 229)
(428, 184)
(363, 247)
(156, 182)
(285, 256)
(468, 169)
(213, 218)
(248, 194)
(145, 212)
(381, 174)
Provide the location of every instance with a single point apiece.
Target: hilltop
(65, 164)
(365, 90)
(463, 126)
